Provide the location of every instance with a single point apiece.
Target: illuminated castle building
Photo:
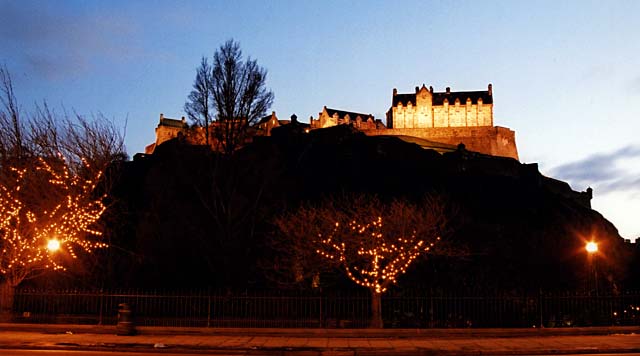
(451, 118)
(448, 118)
(166, 130)
(440, 120)
(332, 117)
(426, 108)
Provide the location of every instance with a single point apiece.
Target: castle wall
(166, 133)
(496, 141)
(448, 115)
(325, 120)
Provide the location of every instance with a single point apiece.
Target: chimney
(294, 119)
(161, 117)
(430, 89)
(448, 90)
(183, 120)
(490, 89)
(417, 89)
(395, 91)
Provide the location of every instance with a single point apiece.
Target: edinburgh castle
(436, 119)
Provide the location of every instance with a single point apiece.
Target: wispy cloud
(606, 172)
(53, 43)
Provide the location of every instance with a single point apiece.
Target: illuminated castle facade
(332, 117)
(450, 118)
(425, 108)
(439, 119)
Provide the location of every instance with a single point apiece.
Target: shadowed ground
(324, 341)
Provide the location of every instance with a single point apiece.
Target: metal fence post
(101, 296)
(540, 306)
(209, 309)
(431, 311)
(321, 323)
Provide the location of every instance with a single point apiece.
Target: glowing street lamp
(592, 247)
(53, 245)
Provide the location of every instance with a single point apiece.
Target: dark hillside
(198, 219)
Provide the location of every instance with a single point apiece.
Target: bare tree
(239, 94)
(10, 123)
(198, 106)
(372, 242)
(293, 260)
(49, 207)
(82, 142)
(47, 214)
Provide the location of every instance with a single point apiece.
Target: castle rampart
(496, 141)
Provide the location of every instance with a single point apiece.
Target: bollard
(125, 321)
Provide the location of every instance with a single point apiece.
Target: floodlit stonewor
(434, 120)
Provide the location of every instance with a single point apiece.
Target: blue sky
(564, 73)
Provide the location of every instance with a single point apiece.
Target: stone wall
(166, 133)
(491, 140)
(450, 114)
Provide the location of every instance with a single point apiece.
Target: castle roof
(438, 98)
(352, 115)
(267, 118)
(172, 122)
(404, 99)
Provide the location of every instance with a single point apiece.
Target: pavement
(228, 341)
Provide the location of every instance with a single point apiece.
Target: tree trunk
(7, 292)
(376, 310)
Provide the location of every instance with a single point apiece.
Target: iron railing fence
(346, 309)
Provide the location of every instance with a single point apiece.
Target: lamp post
(592, 250)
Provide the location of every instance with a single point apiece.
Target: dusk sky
(565, 74)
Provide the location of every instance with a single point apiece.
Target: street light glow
(592, 247)
(53, 245)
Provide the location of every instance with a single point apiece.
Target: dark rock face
(198, 219)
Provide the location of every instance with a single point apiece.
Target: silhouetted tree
(198, 106)
(10, 124)
(239, 93)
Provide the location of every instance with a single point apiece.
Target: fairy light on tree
(42, 201)
(49, 205)
(374, 259)
(372, 242)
